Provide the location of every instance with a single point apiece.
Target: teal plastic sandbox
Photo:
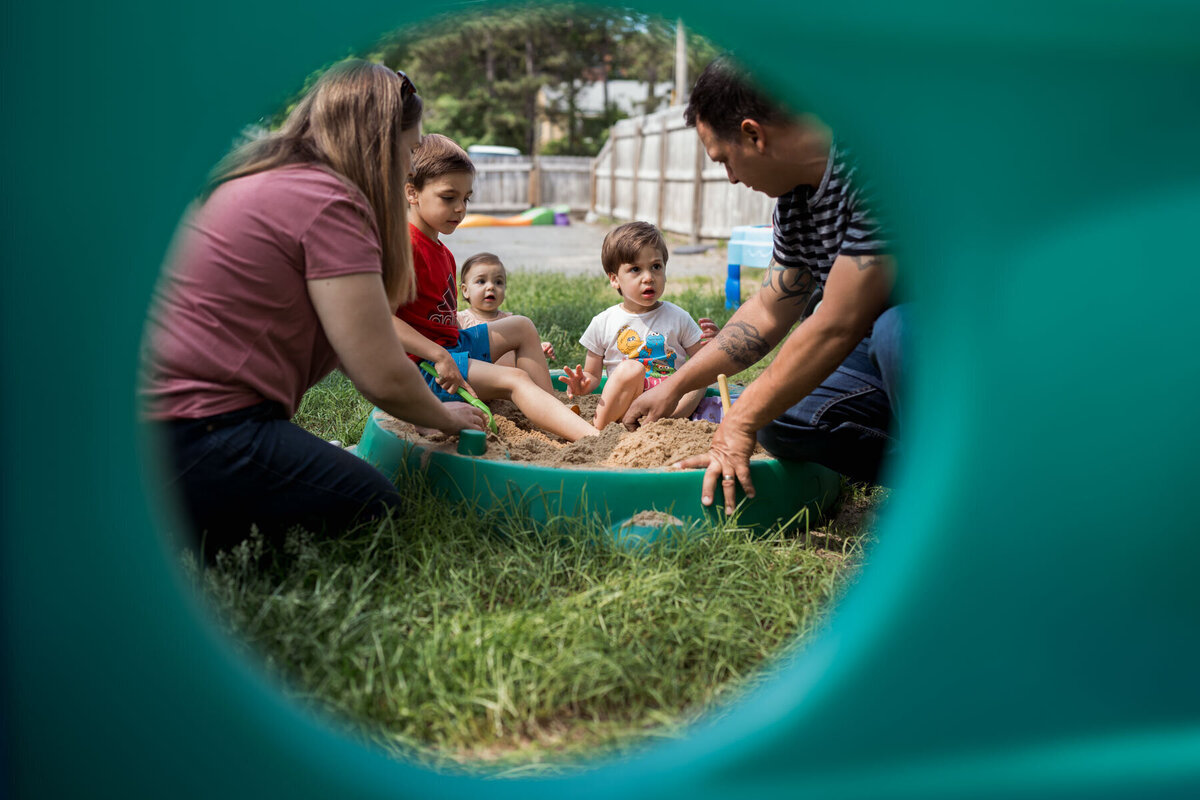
(617, 498)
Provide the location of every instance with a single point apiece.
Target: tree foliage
(480, 70)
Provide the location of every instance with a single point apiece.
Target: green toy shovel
(465, 395)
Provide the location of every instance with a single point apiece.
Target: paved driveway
(572, 249)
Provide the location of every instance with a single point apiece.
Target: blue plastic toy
(749, 246)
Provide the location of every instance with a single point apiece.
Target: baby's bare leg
(543, 408)
(517, 335)
(623, 386)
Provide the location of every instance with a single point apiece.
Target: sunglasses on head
(407, 87)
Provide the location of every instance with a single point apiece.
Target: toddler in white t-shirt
(642, 339)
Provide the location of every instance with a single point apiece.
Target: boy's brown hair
(436, 156)
(622, 245)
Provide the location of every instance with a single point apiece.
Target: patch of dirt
(852, 524)
(659, 444)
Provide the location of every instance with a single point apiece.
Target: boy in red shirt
(437, 191)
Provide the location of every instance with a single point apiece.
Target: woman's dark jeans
(254, 467)
(848, 422)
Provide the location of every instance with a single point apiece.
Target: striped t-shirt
(814, 226)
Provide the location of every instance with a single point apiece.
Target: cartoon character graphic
(628, 341)
(658, 358)
(653, 352)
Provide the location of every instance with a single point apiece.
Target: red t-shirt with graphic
(434, 312)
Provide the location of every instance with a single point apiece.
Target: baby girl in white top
(642, 339)
(483, 280)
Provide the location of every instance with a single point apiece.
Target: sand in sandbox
(658, 444)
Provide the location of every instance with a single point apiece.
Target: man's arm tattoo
(742, 342)
(863, 262)
(792, 283)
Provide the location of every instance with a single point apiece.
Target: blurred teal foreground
(1027, 625)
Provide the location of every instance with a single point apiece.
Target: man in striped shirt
(829, 396)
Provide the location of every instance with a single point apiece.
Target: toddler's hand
(708, 330)
(449, 378)
(548, 349)
(574, 380)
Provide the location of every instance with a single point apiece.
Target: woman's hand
(578, 382)
(448, 376)
(548, 349)
(462, 416)
(728, 462)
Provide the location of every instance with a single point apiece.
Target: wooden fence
(653, 168)
(516, 183)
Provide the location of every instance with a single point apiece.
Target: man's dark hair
(724, 95)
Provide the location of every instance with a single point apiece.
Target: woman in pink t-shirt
(289, 266)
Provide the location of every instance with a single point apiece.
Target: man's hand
(462, 416)
(727, 462)
(653, 404)
(448, 376)
(548, 350)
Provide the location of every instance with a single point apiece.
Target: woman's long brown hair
(350, 123)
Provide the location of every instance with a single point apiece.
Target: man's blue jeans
(255, 467)
(848, 423)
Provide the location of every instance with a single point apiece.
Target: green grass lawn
(469, 639)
